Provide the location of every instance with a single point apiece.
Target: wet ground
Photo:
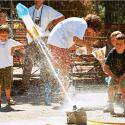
(30, 109)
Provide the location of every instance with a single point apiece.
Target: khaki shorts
(112, 82)
(6, 77)
(61, 58)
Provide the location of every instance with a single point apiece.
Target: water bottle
(108, 80)
(22, 10)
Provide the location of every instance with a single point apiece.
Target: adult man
(45, 17)
(68, 33)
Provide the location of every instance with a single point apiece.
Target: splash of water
(45, 51)
(36, 34)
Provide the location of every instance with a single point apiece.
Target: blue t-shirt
(116, 62)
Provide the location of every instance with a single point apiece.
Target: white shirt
(47, 15)
(6, 59)
(63, 33)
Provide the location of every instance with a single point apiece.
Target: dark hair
(4, 27)
(115, 33)
(1, 11)
(120, 36)
(93, 21)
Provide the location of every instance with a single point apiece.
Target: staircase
(86, 70)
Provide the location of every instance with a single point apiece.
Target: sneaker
(1, 110)
(109, 108)
(11, 102)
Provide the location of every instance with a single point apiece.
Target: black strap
(40, 15)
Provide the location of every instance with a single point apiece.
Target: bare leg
(122, 91)
(111, 92)
(8, 91)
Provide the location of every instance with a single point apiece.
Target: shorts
(6, 77)
(112, 82)
(61, 58)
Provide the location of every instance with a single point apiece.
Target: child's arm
(16, 48)
(109, 72)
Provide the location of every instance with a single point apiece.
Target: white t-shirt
(46, 15)
(63, 33)
(6, 59)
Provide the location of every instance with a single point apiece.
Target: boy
(3, 21)
(112, 44)
(113, 37)
(115, 68)
(7, 47)
(68, 33)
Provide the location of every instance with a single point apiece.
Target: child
(7, 47)
(115, 68)
(3, 21)
(113, 37)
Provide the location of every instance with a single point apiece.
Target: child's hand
(16, 48)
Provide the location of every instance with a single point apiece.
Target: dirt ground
(27, 114)
(29, 110)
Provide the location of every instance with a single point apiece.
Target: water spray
(79, 115)
(36, 34)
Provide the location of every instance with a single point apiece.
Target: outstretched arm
(54, 22)
(16, 48)
(109, 72)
